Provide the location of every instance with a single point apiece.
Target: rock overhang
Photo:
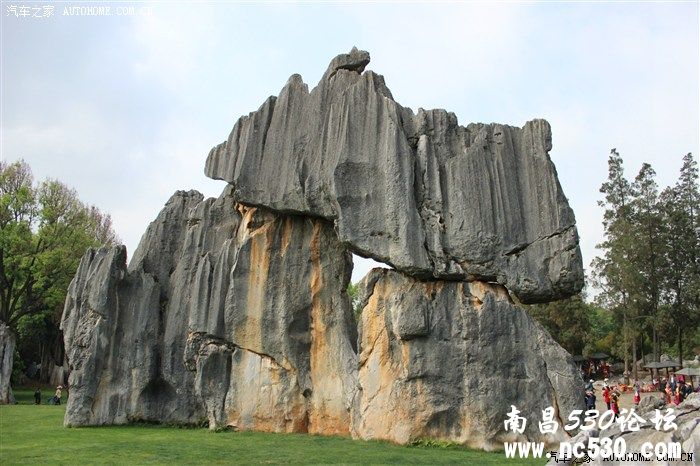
(416, 191)
(235, 310)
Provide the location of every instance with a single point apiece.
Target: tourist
(590, 400)
(57, 395)
(637, 397)
(606, 395)
(615, 405)
(37, 396)
(669, 394)
(683, 390)
(672, 382)
(687, 390)
(677, 395)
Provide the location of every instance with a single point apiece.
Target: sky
(124, 108)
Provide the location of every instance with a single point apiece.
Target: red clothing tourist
(606, 396)
(615, 406)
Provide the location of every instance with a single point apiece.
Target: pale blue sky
(126, 108)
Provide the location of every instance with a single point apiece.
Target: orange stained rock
(250, 334)
(287, 228)
(480, 289)
(327, 414)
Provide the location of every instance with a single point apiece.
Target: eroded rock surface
(417, 191)
(234, 311)
(226, 313)
(447, 360)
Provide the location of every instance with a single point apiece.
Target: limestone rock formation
(448, 359)
(7, 348)
(226, 313)
(417, 191)
(234, 311)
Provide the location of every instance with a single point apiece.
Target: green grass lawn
(32, 434)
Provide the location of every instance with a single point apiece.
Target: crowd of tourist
(593, 367)
(674, 391)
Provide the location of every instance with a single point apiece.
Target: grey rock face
(239, 317)
(287, 360)
(234, 311)
(125, 329)
(226, 313)
(417, 191)
(447, 360)
(7, 348)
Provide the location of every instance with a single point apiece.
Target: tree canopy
(647, 275)
(44, 231)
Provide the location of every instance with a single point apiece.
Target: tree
(681, 275)
(648, 251)
(44, 231)
(354, 295)
(613, 272)
(649, 270)
(569, 321)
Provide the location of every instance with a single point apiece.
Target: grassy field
(35, 435)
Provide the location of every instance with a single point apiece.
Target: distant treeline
(648, 273)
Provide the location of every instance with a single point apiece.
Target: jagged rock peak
(416, 191)
(355, 60)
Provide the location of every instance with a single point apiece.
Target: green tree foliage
(681, 280)
(648, 271)
(580, 327)
(614, 272)
(602, 333)
(44, 231)
(647, 253)
(568, 321)
(354, 295)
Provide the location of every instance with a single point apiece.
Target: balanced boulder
(414, 190)
(234, 311)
